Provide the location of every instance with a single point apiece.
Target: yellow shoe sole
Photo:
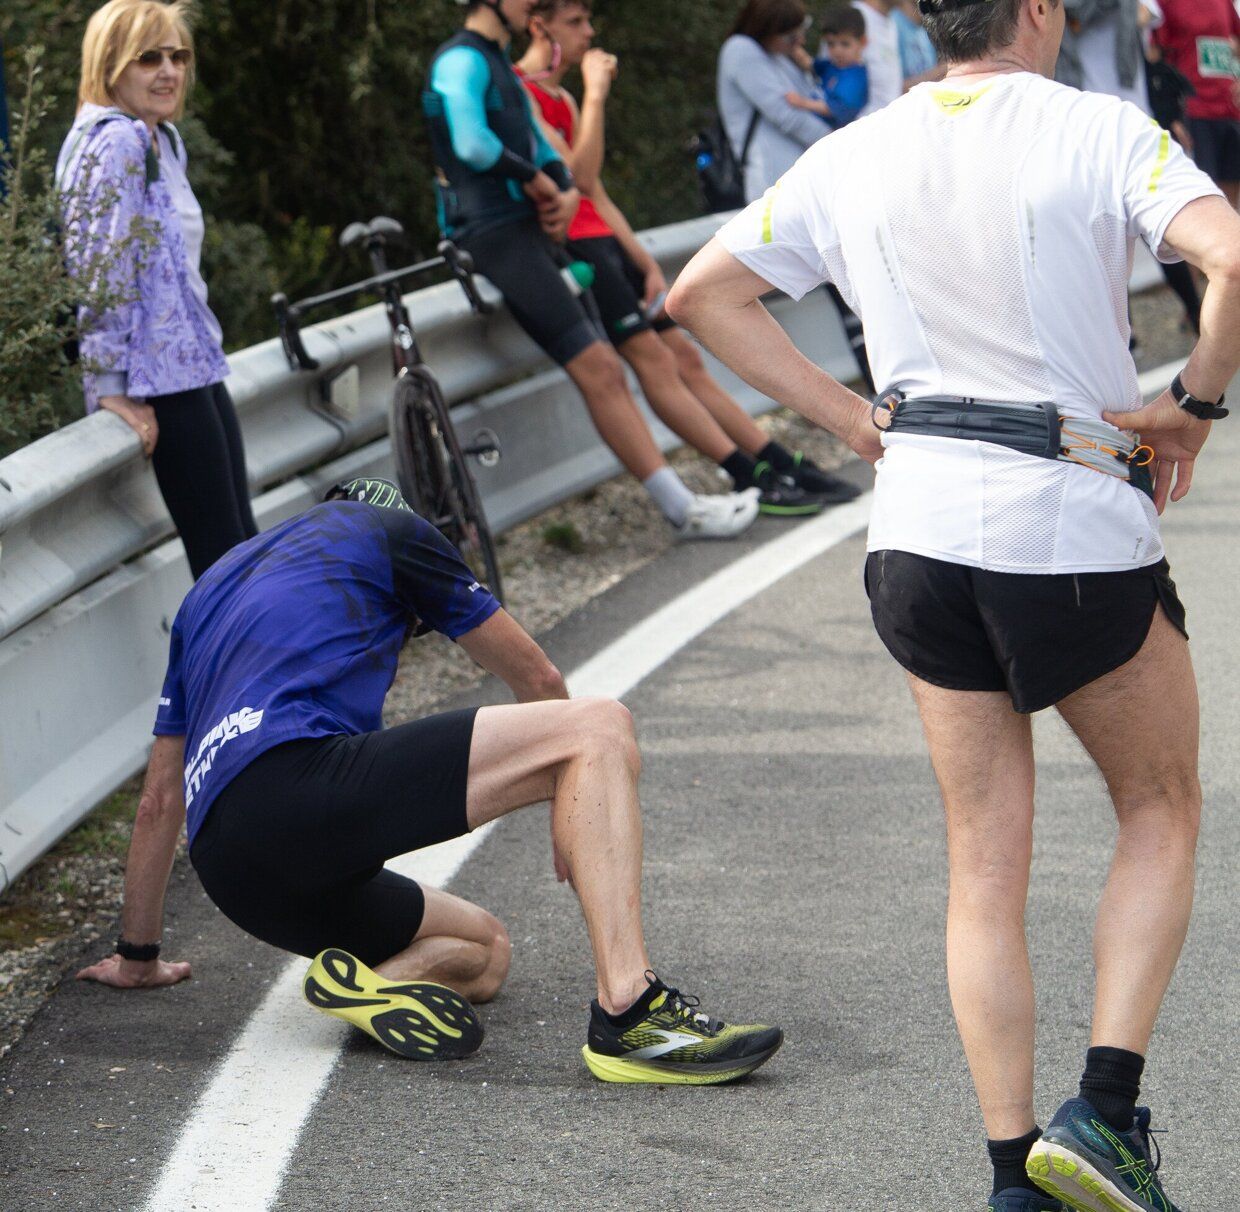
(1073, 1180)
(617, 1069)
(418, 1020)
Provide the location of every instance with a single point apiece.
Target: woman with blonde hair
(153, 354)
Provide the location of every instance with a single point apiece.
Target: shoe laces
(1149, 1137)
(683, 1006)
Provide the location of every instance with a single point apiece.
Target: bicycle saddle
(380, 228)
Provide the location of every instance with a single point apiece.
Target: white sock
(670, 494)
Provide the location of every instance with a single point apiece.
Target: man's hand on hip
(1175, 436)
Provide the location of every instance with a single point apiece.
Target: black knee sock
(740, 467)
(779, 457)
(1111, 1083)
(1008, 1158)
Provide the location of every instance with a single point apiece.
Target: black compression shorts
(526, 268)
(618, 289)
(1041, 637)
(292, 850)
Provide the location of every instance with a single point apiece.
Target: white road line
(232, 1154)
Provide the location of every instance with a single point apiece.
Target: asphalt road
(794, 874)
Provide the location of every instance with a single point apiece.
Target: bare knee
(1167, 802)
(599, 373)
(688, 358)
(603, 728)
(650, 357)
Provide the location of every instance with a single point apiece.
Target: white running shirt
(985, 238)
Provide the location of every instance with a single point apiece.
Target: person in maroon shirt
(1201, 38)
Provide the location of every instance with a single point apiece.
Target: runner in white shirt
(882, 53)
(983, 228)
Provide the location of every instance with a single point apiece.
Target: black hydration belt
(1034, 429)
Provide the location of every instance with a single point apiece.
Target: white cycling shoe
(720, 516)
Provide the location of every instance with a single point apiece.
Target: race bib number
(1216, 60)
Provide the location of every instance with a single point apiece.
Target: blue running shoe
(1020, 1199)
(1093, 1168)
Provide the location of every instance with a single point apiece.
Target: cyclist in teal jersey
(506, 197)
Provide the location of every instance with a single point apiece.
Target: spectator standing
(1201, 39)
(155, 358)
(758, 68)
(882, 53)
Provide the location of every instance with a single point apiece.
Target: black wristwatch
(139, 953)
(1203, 410)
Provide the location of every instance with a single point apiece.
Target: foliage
(40, 387)
(307, 116)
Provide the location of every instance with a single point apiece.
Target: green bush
(40, 388)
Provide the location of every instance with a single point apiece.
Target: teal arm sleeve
(461, 77)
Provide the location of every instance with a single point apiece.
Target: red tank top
(587, 224)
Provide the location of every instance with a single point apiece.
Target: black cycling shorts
(526, 268)
(618, 289)
(1038, 636)
(292, 849)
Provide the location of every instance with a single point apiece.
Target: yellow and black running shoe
(416, 1019)
(664, 1038)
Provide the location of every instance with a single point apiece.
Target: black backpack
(720, 174)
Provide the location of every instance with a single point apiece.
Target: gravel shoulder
(553, 565)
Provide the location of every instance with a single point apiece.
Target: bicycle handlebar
(290, 315)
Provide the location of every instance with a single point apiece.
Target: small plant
(564, 536)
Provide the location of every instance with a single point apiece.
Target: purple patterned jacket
(159, 336)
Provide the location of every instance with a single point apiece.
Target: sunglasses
(178, 56)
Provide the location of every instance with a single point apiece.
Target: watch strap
(141, 953)
(1203, 410)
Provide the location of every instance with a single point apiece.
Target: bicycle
(430, 461)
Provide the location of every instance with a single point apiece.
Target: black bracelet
(139, 953)
(1203, 410)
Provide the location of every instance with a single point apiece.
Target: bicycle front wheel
(434, 476)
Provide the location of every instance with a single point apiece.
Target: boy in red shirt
(629, 285)
(1201, 39)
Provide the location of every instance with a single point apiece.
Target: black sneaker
(1020, 1199)
(1092, 1168)
(669, 1041)
(781, 497)
(808, 475)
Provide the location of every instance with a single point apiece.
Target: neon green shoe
(418, 1020)
(664, 1038)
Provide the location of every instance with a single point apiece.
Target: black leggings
(200, 466)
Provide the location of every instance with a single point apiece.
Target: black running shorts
(292, 850)
(1040, 637)
(526, 268)
(618, 289)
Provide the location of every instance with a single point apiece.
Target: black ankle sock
(1111, 1083)
(740, 467)
(1008, 1158)
(779, 457)
(636, 1012)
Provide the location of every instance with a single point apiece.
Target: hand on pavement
(132, 974)
(1175, 436)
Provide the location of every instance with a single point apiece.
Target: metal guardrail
(88, 592)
